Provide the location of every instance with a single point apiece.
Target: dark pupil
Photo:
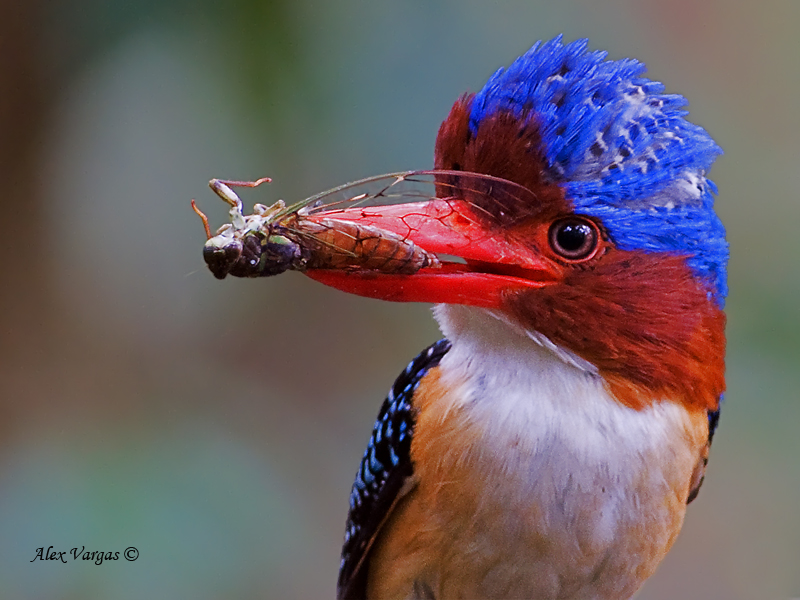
(572, 236)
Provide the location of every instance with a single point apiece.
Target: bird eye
(574, 238)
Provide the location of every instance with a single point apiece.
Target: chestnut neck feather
(643, 320)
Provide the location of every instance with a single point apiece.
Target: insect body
(277, 238)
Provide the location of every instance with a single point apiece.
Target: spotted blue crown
(621, 149)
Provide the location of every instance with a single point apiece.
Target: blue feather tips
(386, 463)
(621, 149)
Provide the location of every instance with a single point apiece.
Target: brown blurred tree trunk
(23, 247)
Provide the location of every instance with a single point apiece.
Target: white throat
(519, 392)
(494, 328)
(508, 377)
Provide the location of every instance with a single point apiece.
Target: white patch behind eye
(685, 189)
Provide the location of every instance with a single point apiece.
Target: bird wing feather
(386, 473)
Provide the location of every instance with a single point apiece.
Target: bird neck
(494, 336)
(497, 363)
(495, 350)
(501, 387)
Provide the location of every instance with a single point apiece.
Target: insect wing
(493, 201)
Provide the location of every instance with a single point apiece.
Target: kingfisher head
(606, 245)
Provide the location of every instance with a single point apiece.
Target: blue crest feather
(621, 149)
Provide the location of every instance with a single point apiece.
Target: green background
(217, 426)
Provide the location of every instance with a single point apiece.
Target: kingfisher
(548, 446)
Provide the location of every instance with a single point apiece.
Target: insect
(322, 233)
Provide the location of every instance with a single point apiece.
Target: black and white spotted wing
(384, 470)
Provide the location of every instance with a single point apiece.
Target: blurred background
(217, 426)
